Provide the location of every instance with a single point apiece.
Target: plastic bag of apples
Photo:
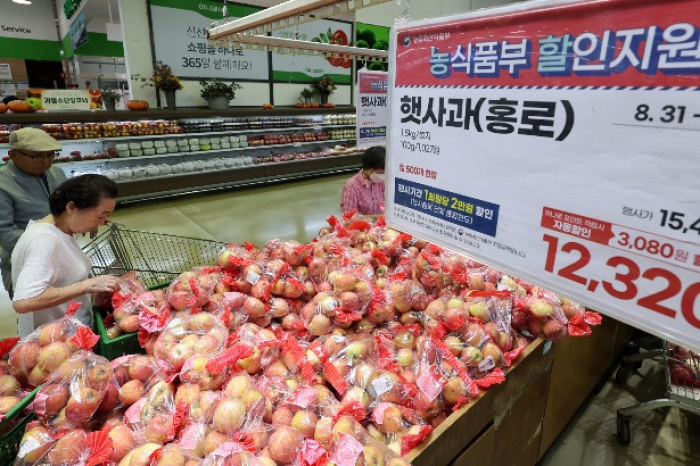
(191, 290)
(11, 392)
(134, 375)
(75, 447)
(82, 386)
(201, 334)
(44, 350)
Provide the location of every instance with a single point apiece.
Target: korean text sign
(559, 141)
(52, 99)
(372, 108)
(180, 40)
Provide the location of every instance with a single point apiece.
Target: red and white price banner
(558, 141)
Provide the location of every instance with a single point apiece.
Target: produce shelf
(199, 152)
(163, 114)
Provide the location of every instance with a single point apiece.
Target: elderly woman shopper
(48, 267)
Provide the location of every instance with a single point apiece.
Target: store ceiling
(100, 8)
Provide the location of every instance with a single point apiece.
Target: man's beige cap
(33, 139)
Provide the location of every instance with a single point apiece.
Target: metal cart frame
(680, 393)
(158, 258)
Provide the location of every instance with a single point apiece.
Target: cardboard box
(580, 363)
(519, 432)
(480, 451)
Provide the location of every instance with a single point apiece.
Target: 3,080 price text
(628, 276)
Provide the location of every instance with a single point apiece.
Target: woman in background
(365, 190)
(48, 267)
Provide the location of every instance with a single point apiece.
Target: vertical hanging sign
(559, 141)
(371, 108)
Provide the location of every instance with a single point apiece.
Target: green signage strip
(96, 46)
(30, 49)
(297, 77)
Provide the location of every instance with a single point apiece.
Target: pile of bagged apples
(347, 350)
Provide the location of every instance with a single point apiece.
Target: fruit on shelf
(19, 106)
(137, 105)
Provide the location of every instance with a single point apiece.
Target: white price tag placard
(371, 108)
(561, 148)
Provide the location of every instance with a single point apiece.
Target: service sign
(180, 40)
(57, 99)
(371, 108)
(559, 142)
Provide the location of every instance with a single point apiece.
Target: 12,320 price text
(629, 277)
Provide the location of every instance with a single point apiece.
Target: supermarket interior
(437, 352)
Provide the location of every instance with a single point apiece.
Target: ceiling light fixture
(289, 13)
(22, 2)
(302, 47)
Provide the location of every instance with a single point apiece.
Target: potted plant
(306, 95)
(218, 94)
(110, 96)
(164, 80)
(324, 87)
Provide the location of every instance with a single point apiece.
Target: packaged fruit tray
(12, 429)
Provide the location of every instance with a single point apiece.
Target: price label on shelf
(567, 158)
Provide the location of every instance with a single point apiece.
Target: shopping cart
(158, 258)
(682, 374)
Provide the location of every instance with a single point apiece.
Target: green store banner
(290, 67)
(180, 40)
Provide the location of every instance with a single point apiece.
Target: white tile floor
(667, 437)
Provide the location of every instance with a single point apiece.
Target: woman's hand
(54, 296)
(101, 284)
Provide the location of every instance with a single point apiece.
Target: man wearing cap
(25, 185)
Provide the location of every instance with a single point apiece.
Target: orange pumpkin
(19, 106)
(137, 105)
(3, 108)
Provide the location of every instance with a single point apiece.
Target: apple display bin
(156, 257)
(12, 429)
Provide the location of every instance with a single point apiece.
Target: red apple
(131, 392)
(99, 376)
(109, 401)
(51, 332)
(34, 444)
(305, 422)
(23, 358)
(68, 449)
(284, 444)
(8, 385)
(157, 429)
(141, 368)
(82, 405)
(229, 416)
(282, 416)
(37, 376)
(122, 441)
